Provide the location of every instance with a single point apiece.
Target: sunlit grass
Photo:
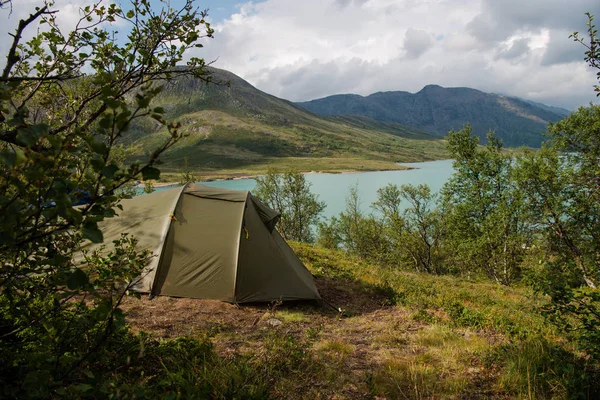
(389, 333)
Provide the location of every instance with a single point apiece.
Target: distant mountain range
(438, 110)
(235, 127)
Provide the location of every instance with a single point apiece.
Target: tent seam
(164, 239)
(237, 252)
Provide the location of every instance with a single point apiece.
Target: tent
(211, 243)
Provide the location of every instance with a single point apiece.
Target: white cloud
(416, 42)
(515, 49)
(315, 48)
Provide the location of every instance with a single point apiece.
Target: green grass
(460, 337)
(384, 333)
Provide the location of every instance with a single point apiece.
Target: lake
(333, 188)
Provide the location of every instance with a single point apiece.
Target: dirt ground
(352, 325)
(168, 317)
(356, 331)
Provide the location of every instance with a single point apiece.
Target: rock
(273, 322)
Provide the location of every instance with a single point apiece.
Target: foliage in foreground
(432, 337)
(66, 100)
(138, 366)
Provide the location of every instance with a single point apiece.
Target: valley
(234, 129)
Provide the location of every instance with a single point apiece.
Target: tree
(487, 227)
(187, 175)
(562, 183)
(66, 100)
(149, 186)
(562, 187)
(359, 234)
(416, 233)
(289, 193)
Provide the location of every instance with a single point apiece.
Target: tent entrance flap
(268, 268)
(200, 255)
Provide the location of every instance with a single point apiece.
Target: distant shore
(235, 177)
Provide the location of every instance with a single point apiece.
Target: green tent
(212, 243)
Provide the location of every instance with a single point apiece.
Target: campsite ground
(384, 334)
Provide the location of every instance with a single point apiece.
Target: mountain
(438, 110)
(234, 128)
(556, 110)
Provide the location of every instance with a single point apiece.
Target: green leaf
(8, 158)
(84, 387)
(109, 170)
(112, 103)
(90, 231)
(26, 137)
(150, 173)
(130, 14)
(98, 164)
(98, 146)
(77, 279)
(142, 101)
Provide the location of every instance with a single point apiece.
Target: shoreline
(219, 178)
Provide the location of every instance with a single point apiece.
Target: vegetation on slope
(233, 128)
(389, 333)
(393, 334)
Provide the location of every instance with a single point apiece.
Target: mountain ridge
(437, 110)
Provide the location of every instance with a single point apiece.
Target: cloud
(346, 3)
(416, 42)
(517, 49)
(315, 48)
(562, 50)
(498, 20)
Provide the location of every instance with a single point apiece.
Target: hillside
(556, 110)
(437, 110)
(383, 333)
(233, 128)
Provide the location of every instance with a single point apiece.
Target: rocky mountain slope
(437, 110)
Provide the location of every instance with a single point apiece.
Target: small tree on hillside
(186, 175)
(357, 233)
(487, 228)
(416, 233)
(149, 186)
(289, 193)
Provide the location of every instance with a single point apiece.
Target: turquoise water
(333, 188)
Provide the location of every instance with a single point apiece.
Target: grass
(290, 316)
(388, 334)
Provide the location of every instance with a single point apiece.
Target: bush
(61, 173)
(289, 194)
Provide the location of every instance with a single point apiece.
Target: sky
(303, 50)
